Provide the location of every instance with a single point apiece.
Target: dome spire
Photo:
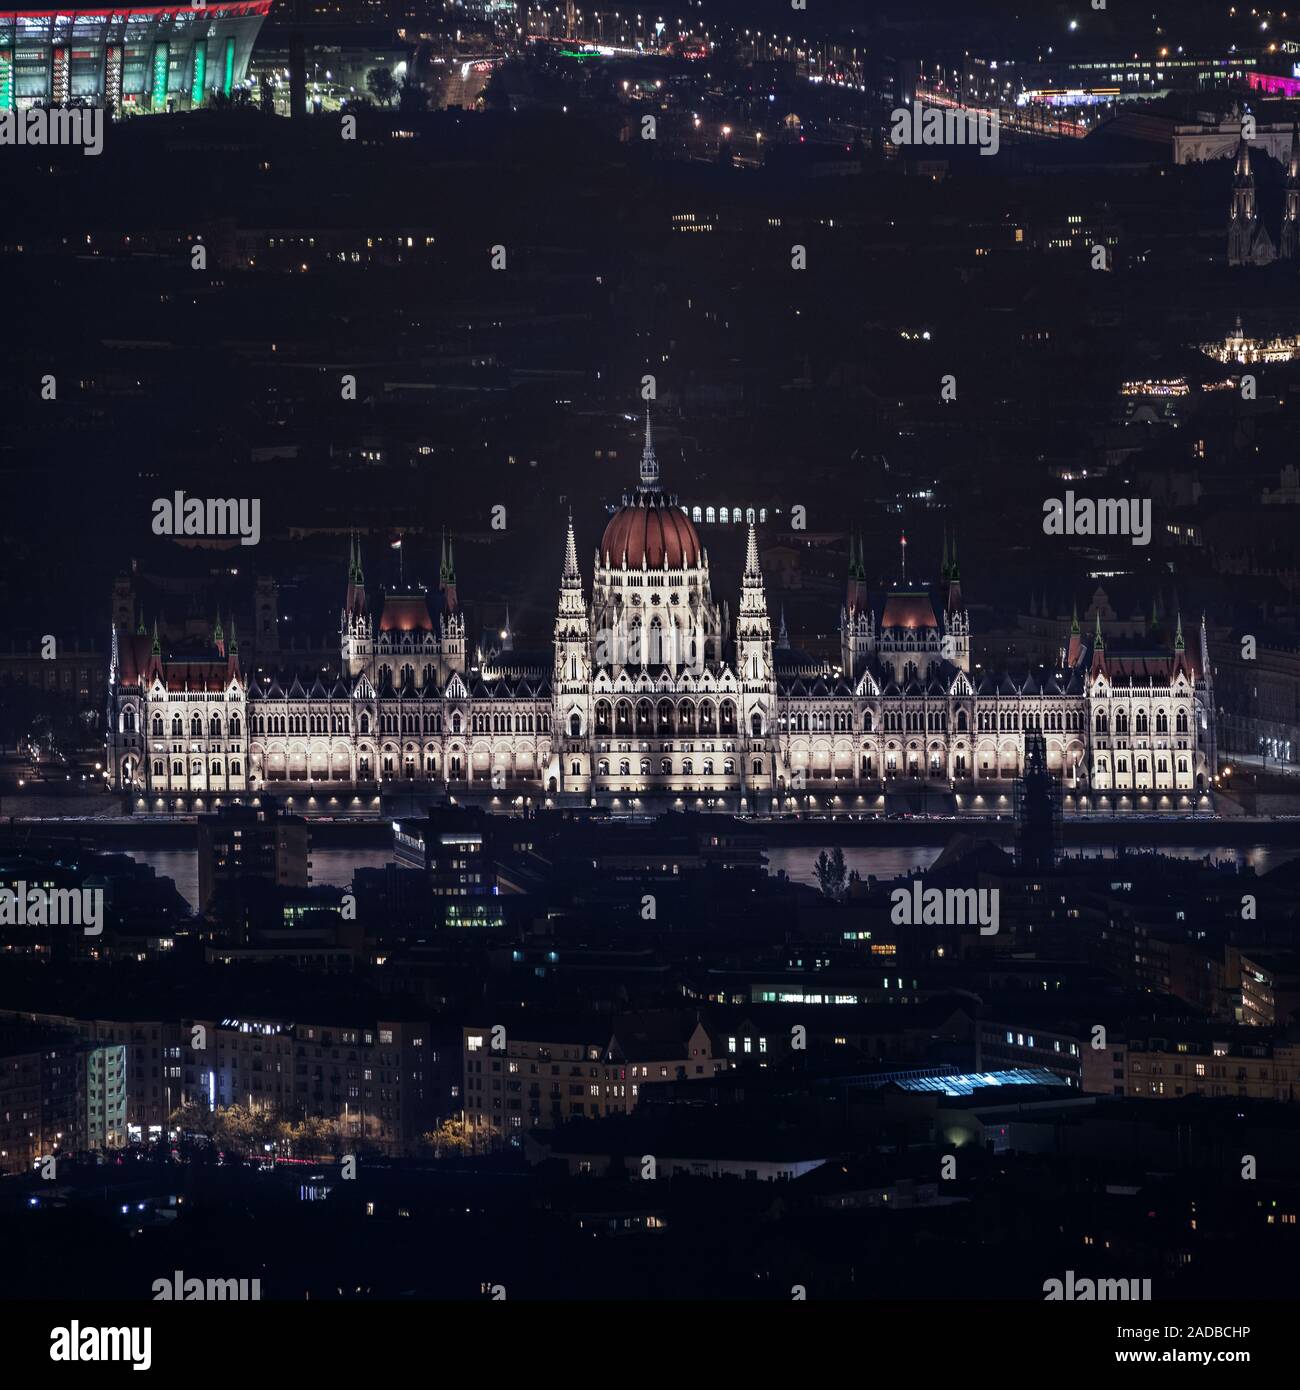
(649, 463)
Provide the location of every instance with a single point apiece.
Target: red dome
(649, 534)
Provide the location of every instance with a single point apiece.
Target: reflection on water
(336, 866)
(890, 861)
(330, 866)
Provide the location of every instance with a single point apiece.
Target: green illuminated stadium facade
(133, 58)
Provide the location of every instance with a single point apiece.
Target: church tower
(1289, 249)
(1248, 241)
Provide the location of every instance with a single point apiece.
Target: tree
(832, 876)
(381, 85)
(449, 1140)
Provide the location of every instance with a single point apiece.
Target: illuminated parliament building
(655, 698)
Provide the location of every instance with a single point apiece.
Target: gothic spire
(752, 570)
(571, 553)
(649, 463)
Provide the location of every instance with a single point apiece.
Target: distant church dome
(650, 527)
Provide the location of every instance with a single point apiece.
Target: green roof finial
(1096, 639)
(157, 645)
(1074, 619)
(217, 635)
(1178, 636)
(234, 640)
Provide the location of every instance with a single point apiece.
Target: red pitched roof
(908, 610)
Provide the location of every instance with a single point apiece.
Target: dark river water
(336, 866)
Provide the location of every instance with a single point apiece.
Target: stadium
(132, 59)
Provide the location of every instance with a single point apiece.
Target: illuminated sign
(228, 75)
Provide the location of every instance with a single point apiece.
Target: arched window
(1162, 722)
(1180, 723)
(1102, 723)
(708, 514)
(128, 720)
(575, 724)
(363, 724)
(696, 514)
(602, 768)
(687, 767)
(1140, 722)
(157, 726)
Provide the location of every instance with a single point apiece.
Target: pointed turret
(782, 636)
(218, 636)
(507, 636)
(954, 603)
(232, 650)
(856, 590)
(1098, 650)
(1075, 650)
(354, 602)
(447, 575)
(1180, 661)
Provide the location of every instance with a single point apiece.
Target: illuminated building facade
(136, 58)
(652, 691)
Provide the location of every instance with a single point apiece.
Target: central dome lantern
(650, 528)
